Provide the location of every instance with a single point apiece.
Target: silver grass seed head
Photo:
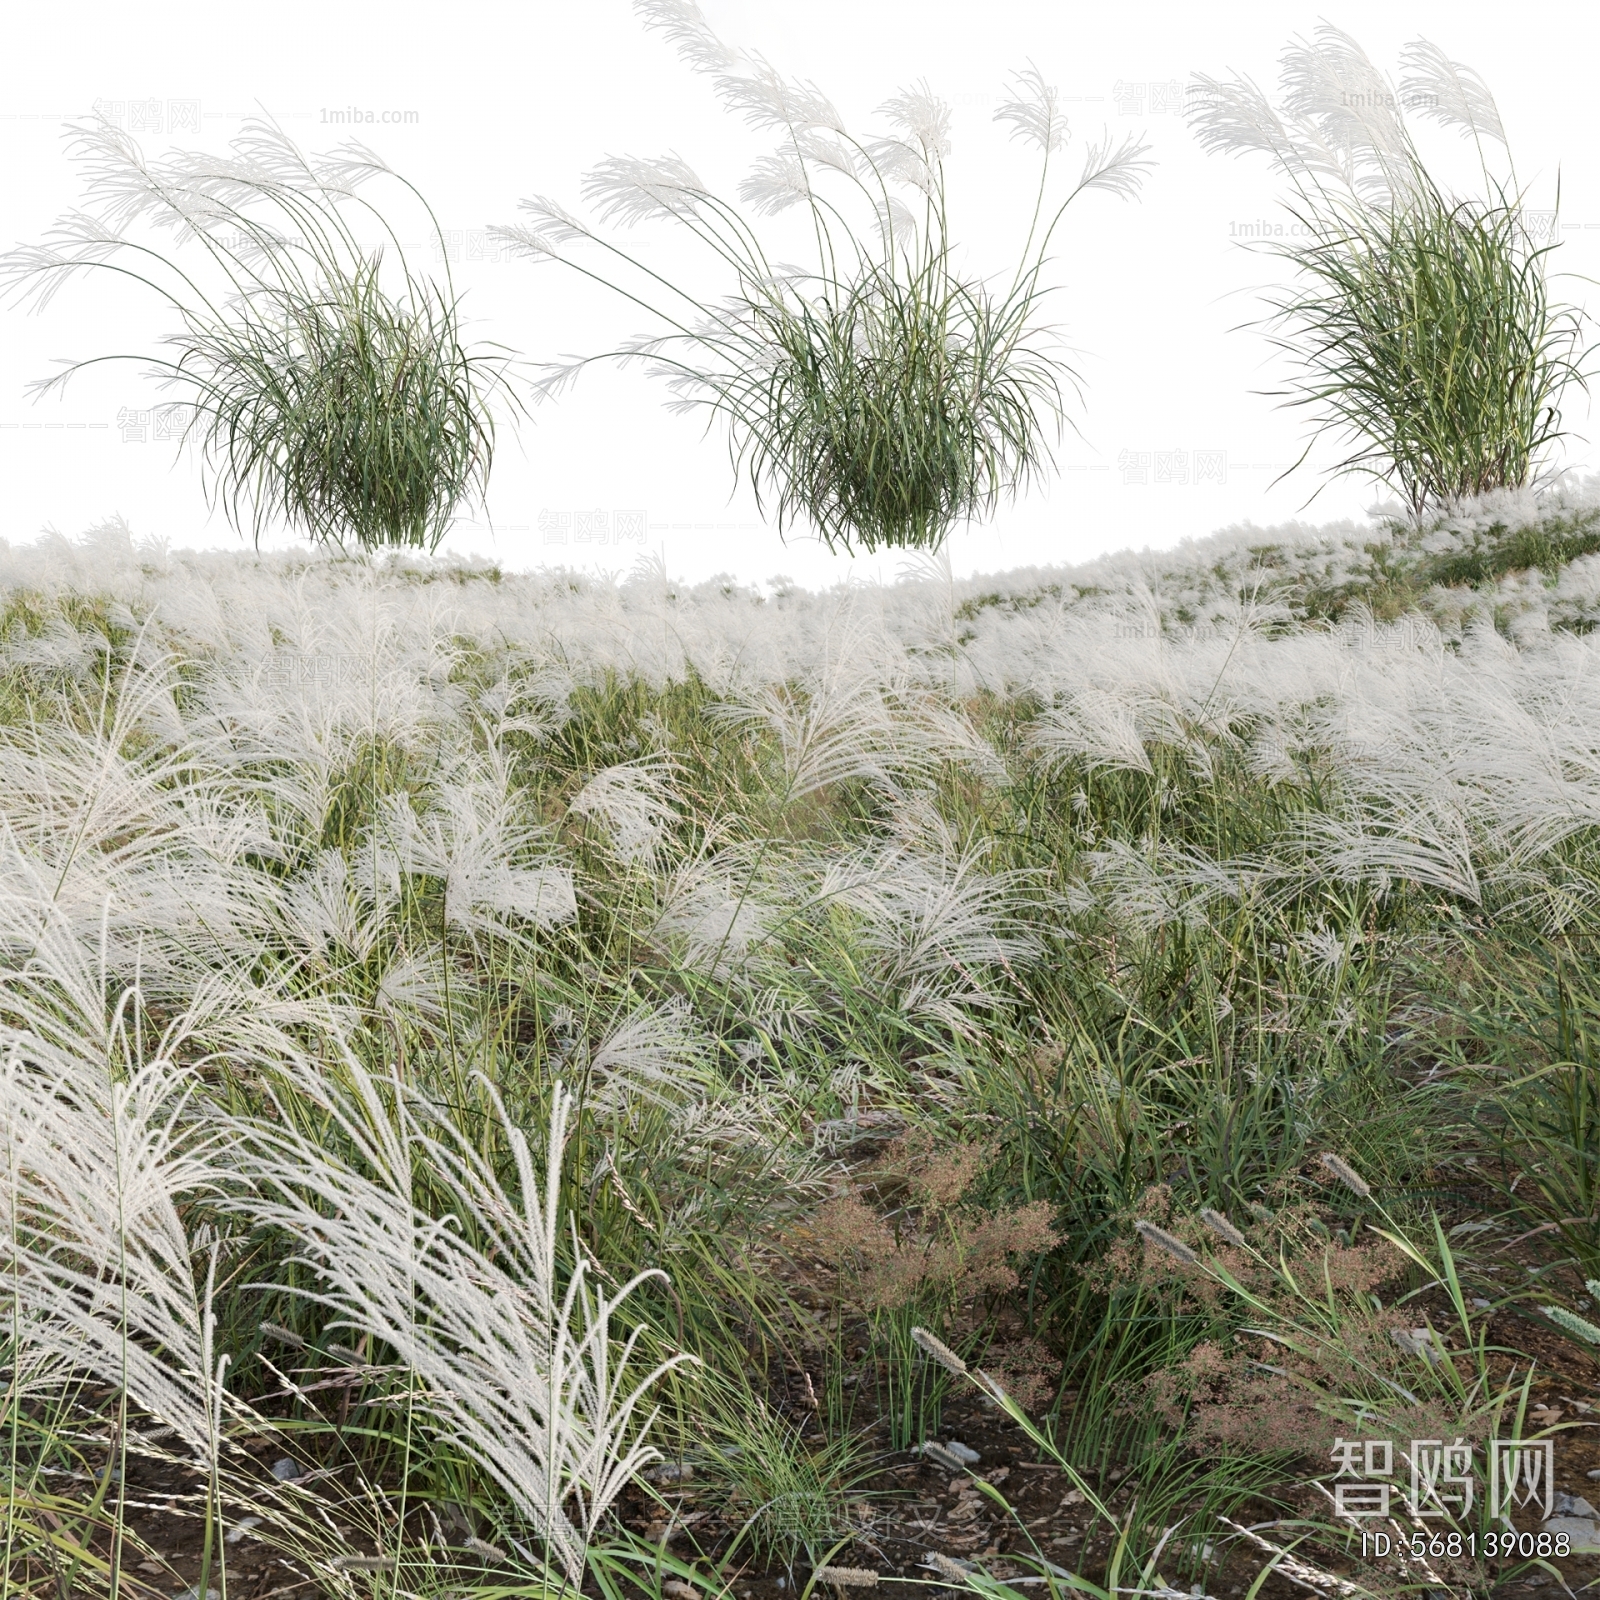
(1224, 1229)
(633, 189)
(919, 112)
(847, 1577)
(1034, 112)
(1448, 92)
(1174, 1246)
(775, 183)
(1346, 1174)
(929, 1345)
(1118, 170)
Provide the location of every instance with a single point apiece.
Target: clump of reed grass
(881, 394)
(1421, 330)
(517, 1369)
(329, 383)
(798, 1494)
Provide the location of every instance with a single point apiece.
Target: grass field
(508, 1078)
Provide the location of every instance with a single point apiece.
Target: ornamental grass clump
(325, 383)
(1421, 331)
(880, 394)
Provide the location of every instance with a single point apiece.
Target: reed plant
(324, 381)
(881, 394)
(1421, 330)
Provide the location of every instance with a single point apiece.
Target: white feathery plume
(37, 272)
(634, 799)
(714, 906)
(769, 100)
(1331, 85)
(1117, 169)
(632, 189)
(1092, 723)
(776, 182)
(1235, 117)
(746, 83)
(1034, 112)
(348, 165)
(898, 161)
(98, 1275)
(1451, 94)
(684, 26)
(519, 1373)
(938, 929)
(895, 219)
(655, 1054)
(412, 987)
(842, 730)
(534, 243)
(920, 114)
(323, 912)
(552, 220)
(473, 839)
(824, 148)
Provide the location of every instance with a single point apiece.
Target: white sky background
(481, 103)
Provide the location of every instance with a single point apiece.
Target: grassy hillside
(1166, 984)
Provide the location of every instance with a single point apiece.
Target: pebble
(963, 1452)
(193, 1593)
(1594, 1474)
(285, 1470)
(1584, 1532)
(1418, 1341)
(238, 1530)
